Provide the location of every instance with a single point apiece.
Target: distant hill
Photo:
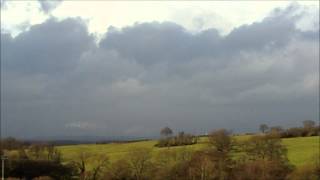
(74, 140)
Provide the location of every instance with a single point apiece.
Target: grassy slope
(300, 150)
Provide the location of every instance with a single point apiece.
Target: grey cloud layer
(57, 81)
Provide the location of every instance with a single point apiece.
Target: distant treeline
(121, 141)
(12, 143)
(309, 128)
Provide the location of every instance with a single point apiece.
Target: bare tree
(53, 153)
(221, 140)
(36, 151)
(266, 147)
(263, 170)
(263, 128)
(118, 170)
(276, 130)
(203, 167)
(166, 131)
(80, 163)
(100, 165)
(308, 124)
(140, 161)
(221, 154)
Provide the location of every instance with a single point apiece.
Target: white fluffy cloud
(194, 16)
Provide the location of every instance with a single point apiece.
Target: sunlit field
(301, 150)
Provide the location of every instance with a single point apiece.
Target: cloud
(3, 3)
(81, 125)
(129, 87)
(48, 5)
(50, 47)
(148, 75)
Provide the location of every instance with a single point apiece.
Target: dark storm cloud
(169, 42)
(51, 47)
(165, 42)
(57, 81)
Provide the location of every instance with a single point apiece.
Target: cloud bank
(56, 80)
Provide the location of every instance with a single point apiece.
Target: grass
(301, 150)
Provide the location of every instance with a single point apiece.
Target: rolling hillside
(301, 150)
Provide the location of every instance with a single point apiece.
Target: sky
(107, 68)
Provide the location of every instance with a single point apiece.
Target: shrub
(35, 168)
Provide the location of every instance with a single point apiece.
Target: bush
(33, 169)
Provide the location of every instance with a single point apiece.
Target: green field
(301, 150)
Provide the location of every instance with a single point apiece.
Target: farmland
(301, 150)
